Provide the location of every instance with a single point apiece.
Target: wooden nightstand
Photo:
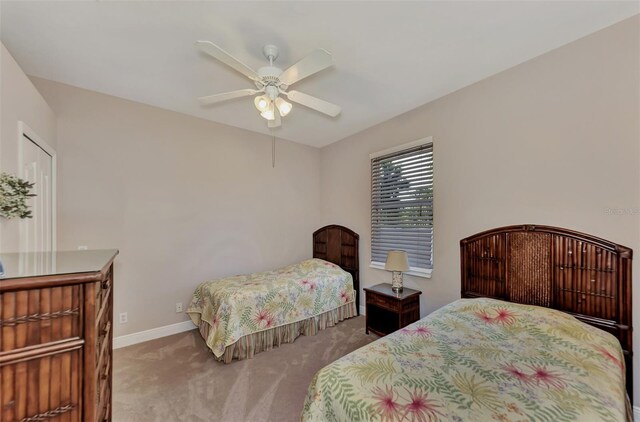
(388, 311)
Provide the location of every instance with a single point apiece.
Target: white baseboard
(636, 413)
(154, 333)
(167, 330)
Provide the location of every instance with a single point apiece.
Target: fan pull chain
(273, 150)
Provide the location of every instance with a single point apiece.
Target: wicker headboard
(339, 245)
(585, 276)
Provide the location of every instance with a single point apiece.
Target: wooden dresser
(56, 320)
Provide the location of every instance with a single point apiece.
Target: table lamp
(397, 262)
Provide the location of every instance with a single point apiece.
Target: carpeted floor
(177, 379)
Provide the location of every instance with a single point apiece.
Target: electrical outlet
(178, 307)
(123, 318)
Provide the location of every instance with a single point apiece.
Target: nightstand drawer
(383, 302)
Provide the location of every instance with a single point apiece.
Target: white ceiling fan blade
(226, 58)
(217, 98)
(314, 103)
(277, 121)
(313, 63)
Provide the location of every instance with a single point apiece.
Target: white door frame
(25, 130)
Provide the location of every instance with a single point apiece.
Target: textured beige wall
(19, 100)
(184, 199)
(553, 141)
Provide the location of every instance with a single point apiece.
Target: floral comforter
(246, 304)
(477, 360)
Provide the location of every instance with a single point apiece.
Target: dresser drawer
(39, 316)
(43, 388)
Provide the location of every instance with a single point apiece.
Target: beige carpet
(176, 378)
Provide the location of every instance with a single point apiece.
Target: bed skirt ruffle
(246, 347)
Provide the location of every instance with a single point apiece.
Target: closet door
(36, 233)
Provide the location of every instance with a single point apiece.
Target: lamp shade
(397, 261)
(283, 107)
(269, 113)
(262, 103)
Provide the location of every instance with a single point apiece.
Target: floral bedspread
(246, 304)
(477, 360)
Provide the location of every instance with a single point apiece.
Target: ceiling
(389, 57)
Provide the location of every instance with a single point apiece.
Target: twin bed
(477, 360)
(543, 332)
(243, 315)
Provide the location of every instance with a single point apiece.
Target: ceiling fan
(272, 83)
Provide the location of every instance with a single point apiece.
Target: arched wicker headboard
(339, 245)
(583, 275)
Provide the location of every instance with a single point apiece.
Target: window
(402, 205)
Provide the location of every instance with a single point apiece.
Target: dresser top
(36, 264)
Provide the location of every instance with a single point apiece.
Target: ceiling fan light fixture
(271, 82)
(284, 107)
(262, 103)
(269, 113)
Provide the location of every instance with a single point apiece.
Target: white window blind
(402, 206)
